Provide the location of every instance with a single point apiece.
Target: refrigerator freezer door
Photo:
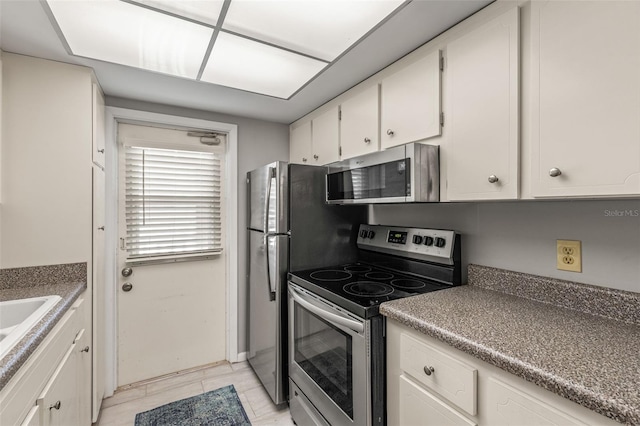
(267, 191)
(267, 312)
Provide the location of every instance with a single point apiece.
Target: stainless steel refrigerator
(290, 227)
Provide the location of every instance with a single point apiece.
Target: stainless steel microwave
(404, 174)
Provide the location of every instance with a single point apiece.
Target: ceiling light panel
(207, 11)
(256, 67)
(126, 34)
(320, 28)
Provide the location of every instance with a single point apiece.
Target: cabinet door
(585, 104)
(59, 401)
(483, 115)
(98, 142)
(33, 418)
(410, 103)
(420, 407)
(99, 294)
(509, 406)
(300, 144)
(325, 137)
(83, 349)
(359, 124)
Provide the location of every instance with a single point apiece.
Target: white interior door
(173, 315)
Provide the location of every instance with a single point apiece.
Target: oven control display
(397, 237)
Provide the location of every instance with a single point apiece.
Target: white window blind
(172, 202)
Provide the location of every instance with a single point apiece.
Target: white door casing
(230, 182)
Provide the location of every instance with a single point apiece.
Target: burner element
(330, 275)
(377, 275)
(368, 289)
(357, 268)
(407, 283)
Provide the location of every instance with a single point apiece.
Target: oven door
(329, 361)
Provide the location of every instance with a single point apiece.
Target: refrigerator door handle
(272, 292)
(270, 175)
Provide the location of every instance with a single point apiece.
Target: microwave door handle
(270, 175)
(326, 315)
(272, 293)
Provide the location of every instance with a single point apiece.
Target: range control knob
(428, 241)
(440, 242)
(363, 233)
(371, 234)
(417, 239)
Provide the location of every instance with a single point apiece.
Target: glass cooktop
(360, 288)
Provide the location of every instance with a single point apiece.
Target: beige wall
(521, 236)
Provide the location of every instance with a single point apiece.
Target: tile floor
(122, 407)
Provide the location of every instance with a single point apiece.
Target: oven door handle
(324, 314)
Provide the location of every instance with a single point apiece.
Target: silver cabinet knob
(304, 160)
(493, 179)
(555, 172)
(126, 272)
(367, 140)
(127, 287)
(85, 349)
(57, 405)
(101, 151)
(390, 132)
(100, 228)
(428, 370)
(315, 156)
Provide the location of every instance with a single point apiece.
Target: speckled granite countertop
(591, 360)
(67, 290)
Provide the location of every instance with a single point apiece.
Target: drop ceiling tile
(204, 11)
(256, 67)
(319, 28)
(123, 33)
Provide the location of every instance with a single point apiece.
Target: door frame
(114, 116)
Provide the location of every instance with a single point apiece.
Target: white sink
(17, 317)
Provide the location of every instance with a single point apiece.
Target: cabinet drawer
(449, 377)
(419, 407)
(33, 418)
(509, 406)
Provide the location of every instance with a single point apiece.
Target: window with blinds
(172, 202)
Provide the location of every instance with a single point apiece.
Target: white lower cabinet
(53, 387)
(59, 400)
(432, 383)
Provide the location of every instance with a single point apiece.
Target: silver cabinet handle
(86, 349)
(100, 228)
(493, 179)
(555, 172)
(428, 370)
(315, 156)
(367, 140)
(304, 160)
(390, 132)
(101, 151)
(57, 405)
(126, 272)
(127, 286)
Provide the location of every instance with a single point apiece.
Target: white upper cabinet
(482, 72)
(410, 103)
(585, 98)
(360, 124)
(98, 153)
(300, 144)
(325, 137)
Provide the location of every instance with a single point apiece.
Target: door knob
(127, 286)
(555, 172)
(493, 179)
(126, 272)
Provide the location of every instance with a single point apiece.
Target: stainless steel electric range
(337, 373)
